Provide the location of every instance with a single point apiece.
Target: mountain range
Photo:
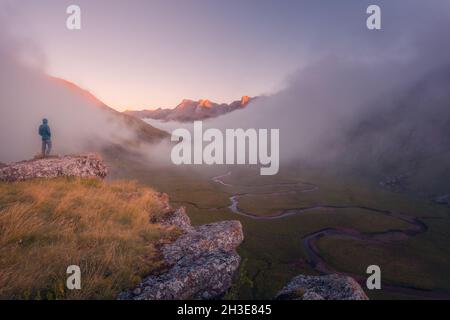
(191, 110)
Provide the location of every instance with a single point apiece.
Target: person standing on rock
(46, 135)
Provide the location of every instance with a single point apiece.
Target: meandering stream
(309, 242)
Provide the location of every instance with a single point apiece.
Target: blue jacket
(44, 130)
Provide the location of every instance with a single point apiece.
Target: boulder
(443, 199)
(207, 277)
(328, 287)
(179, 219)
(209, 238)
(84, 165)
(201, 262)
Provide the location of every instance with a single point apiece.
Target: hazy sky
(145, 54)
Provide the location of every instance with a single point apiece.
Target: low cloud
(27, 95)
(351, 108)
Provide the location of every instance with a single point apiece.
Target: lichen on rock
(178, 219)
(84, 165)
(201, 262)
(327, 287)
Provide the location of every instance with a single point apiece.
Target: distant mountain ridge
(191, 110)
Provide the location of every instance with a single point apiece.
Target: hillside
(102, 227)
(79, 121)
(57, 211)
(144, 131)
(190, 110)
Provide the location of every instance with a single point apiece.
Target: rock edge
(327, 287)
(202, 262)
(84, 165)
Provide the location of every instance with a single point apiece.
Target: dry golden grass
(103, 227)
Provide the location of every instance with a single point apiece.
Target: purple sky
(147, 54)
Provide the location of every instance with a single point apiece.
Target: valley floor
(301, 221)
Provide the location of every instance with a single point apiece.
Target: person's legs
(49, 146)
(46, 147)
(44, 144)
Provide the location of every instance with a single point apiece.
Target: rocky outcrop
(328, 287)
(201, 262)
(85, 165)
(442, 199)
(178, 219)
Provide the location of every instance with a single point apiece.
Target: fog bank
(27, 95)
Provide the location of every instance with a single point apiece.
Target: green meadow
(272, 251)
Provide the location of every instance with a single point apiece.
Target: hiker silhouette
(45, 133)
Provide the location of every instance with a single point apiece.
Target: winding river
(309, 242)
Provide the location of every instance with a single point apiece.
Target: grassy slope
(47, 225)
